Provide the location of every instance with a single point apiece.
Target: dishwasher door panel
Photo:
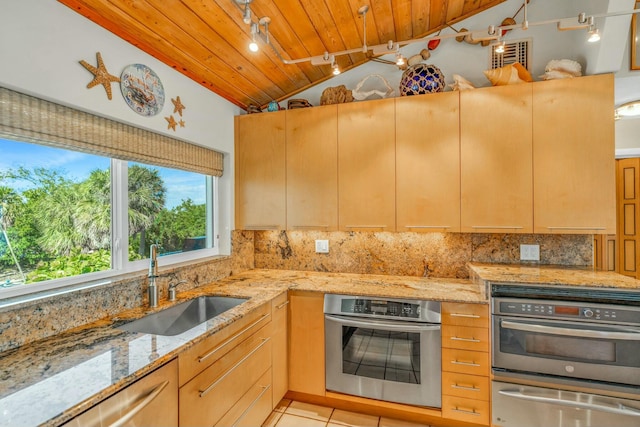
(516, 405)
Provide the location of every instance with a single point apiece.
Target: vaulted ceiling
(207, 40)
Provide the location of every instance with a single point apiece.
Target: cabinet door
(150, 401)
(428, 162)
(280, 357)
(306, 343)
(312, 168)
(574, 156)
(366, 166)
(260, 171)
(496, 159)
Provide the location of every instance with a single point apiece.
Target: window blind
(30, 119)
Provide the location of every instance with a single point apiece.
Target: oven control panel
(568, 310)
(380, 307)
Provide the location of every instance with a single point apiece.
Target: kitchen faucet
(153, 273)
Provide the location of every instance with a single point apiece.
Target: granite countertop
(550, 275)
(50, 381)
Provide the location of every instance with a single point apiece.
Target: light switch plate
(322, 246)
(529, 252)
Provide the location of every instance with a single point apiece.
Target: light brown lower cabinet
(234, 388)
(150, 401)
(280, 346)
(465, 363)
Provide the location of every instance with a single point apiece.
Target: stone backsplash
(412, 254)
(22, 322)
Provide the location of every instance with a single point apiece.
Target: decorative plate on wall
(142, 89)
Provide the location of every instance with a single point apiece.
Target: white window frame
(120, 264)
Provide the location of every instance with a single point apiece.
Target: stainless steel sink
(182, 317)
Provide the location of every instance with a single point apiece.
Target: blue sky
(77, 167)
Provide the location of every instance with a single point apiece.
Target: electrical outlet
(530, 252)
(322, 246)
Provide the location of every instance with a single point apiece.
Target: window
(82, 197)
(60, 215)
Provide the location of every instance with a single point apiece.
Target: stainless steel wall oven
(565, 356)
(381, 348)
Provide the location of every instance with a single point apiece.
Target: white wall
(41, 44)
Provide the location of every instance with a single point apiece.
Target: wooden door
(260, 171)
(574, 156)
(628, 206)
(428, 162)
(496, 160)
(312, 168)
(366, 166)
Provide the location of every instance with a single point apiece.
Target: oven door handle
(387, 325)
(615, 408)
(584, 333)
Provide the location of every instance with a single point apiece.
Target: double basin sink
(184, 316)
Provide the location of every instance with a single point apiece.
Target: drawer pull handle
(468, 316)
(501, 227)
(462, 387)
(457, 362)
(282, 305)
(427, 226)
(260, 227)
(365, 226)
(577, 228)
(464, 411)
(215, 350)
(264, 390)
(140, 406)
(465, 339)
(233, 368)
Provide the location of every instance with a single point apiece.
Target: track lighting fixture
(594, 34)
(246, 11)
(399, 59)
(253, 46)
(491, 36)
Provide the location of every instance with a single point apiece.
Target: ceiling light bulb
(253, 46)
(594, 36)
(399, 59)
(246, 16)
(500, 47)
(336, 69)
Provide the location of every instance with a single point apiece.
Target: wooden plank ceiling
(207, 40)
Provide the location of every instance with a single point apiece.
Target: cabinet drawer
(150, 401)
(465, 337)
(462, 409)
(205, 353)
(207, 398)
(252, 408)
(476, 315)
(464, 385)
(465, 361)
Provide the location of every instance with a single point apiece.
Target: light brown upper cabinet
(574, 156)
(260, 171)
(312, 168)
(496, 159)
(366, 166)
(428, 162)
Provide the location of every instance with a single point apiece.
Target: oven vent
(556, 292)
(514, 51)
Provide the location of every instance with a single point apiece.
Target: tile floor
(298, 414)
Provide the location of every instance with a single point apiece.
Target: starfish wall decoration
(101, 75)
(171, 123)
(177, 104)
